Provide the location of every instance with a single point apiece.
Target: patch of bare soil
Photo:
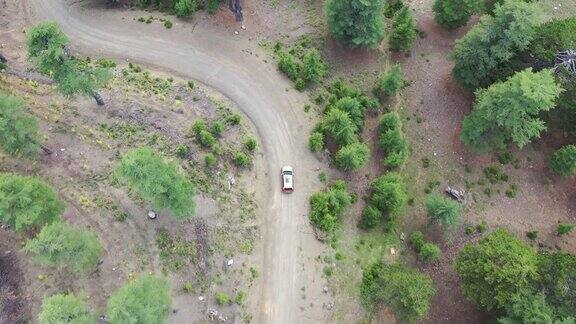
(12, 304)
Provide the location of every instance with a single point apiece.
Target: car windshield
(287, 172)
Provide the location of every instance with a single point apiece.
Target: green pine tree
(404, 31)
(357, 22)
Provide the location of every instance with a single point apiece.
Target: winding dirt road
(218, 61)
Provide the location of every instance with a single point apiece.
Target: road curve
(259, 91)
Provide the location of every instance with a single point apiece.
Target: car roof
(287, 179)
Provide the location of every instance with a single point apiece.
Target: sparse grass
(482, 227)
(494, 174)
(175, 253)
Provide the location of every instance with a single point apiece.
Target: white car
(287, 179)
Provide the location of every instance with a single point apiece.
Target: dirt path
(199, 52)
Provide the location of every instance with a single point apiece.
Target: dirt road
(218, 60)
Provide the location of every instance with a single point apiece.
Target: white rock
(201, 298)
(230, 262)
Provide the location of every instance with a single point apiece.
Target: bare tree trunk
(236, 7)
(98, 98)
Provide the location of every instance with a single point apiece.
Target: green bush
(300, 84)
(198, 126)
(388, 122)
(251, 144)
(510, 111)
(371, 216)
(62, 308)
(416, 239)
(19, 132)
(403, 33)
(217, 128)
(191, 85)
(429, 252)
(157, 181)
(353, 107)
(240, 299)
(395, 146)
(352, 156)
(563, 161)
(388, 194)
(287, 64)
(313, 66)
(327, 206)
(482, 227)
(234, 119)
(357, 22)
(455, 13)
(390, 83)
(558, 281)
(143, 300)
(565, 229)
(444, 210)
(168, 24)
(496, 269)
(212, 6)
(339, 126)
(316, 142)
(493, 42)
(528, 307)
(59, 244)
(210, 160)
(552, 37)
(241, 160)
(495, 174)
(185, 8)
(27, 203)
(406, 289)
(391, 7)
(182, 151)
(222, 298)
(206, 139)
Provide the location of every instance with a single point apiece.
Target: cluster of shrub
(207, 136)
(341, 124)
(508, 59)
(359, 23)
(392, 140)
(301, 64)
(143, 300)
(503, 274)
(329, 205)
